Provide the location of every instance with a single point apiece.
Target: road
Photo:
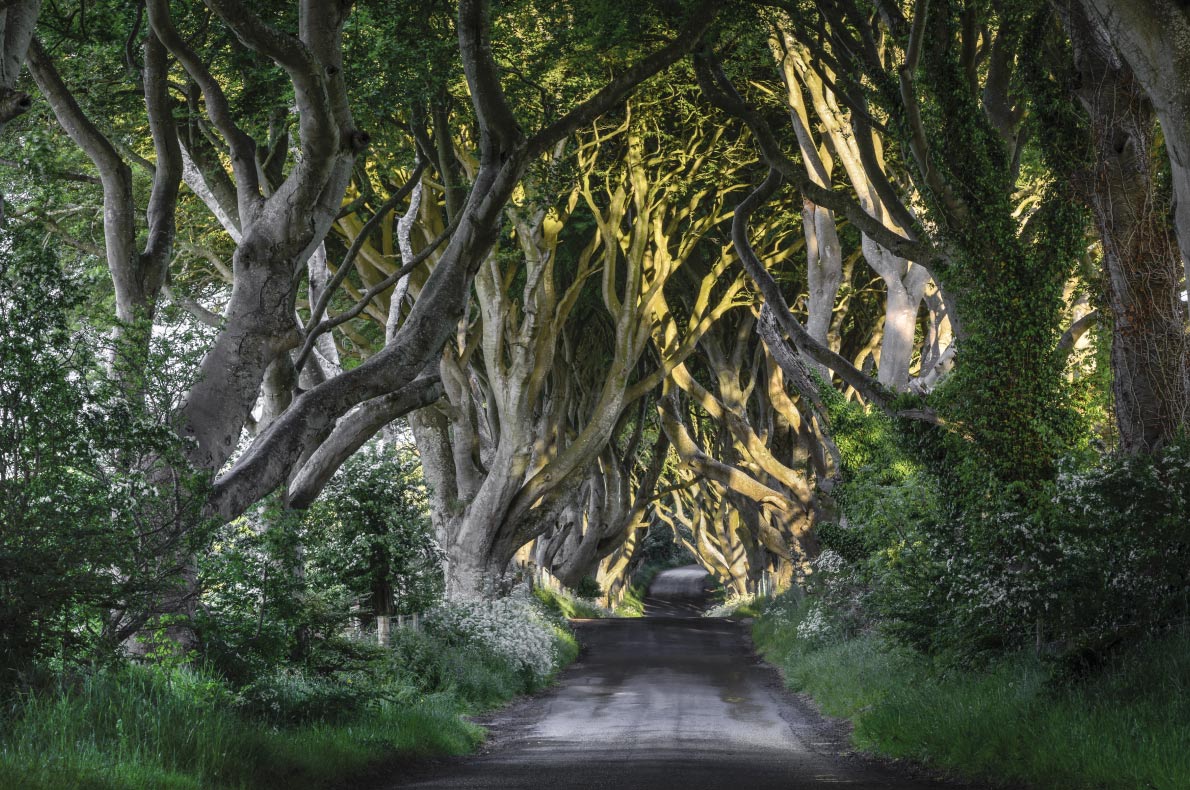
(670, 701)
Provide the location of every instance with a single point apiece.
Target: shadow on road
(679, 592)
(671, 701)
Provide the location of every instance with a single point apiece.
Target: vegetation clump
(348, 708)
(1014, 718)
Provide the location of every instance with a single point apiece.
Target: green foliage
(570, 606)
(364, 548)
(1015, 720)
(1072, 568)
(1006, 399)
(588, 587)
(370, 532)
(132, 728)
(88, 487)
(254, 606)
(349, 707)
(1098, 559)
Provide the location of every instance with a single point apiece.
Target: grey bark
(1150, 351)
(351, 433)
(504, 153)
(17, 23)
(1153, 36)
(137, 273)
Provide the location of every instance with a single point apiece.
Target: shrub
(364, 548)
(370, 531)
(1071, 568)
(588, 588)
(90, 487)
(347, 706)
(1017, 719)
(512, 628)
(1094, 560)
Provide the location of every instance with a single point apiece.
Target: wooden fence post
(384, 629)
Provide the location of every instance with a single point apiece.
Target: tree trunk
(900, 325)
(1151, 36)
(824, 273)
(1142, 270)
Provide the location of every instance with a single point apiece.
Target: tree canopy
(904, 282)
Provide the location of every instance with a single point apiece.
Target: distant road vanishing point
(672, 701)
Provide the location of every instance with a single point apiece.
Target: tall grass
(139, 728)
(569, 605)
(1126, 727)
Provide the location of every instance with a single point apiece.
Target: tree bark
(1150, 352)
(505, 153)
(17, 22)
(1152, 37)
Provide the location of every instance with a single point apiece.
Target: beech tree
(978, 120)
(505, 152)
(521, 430)
(1142, 271)
(19, 20)
(277, 202)
(600, 306)
(1147, 35)
(905, 282)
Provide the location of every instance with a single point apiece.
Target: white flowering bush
(1072, 569)
(795, 624)
(816, 625)
(514, 628)
(784, 611)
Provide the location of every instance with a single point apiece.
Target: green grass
(137, 728)
(568, 606)
(134, 728)
(745, 610)
(1125, 727)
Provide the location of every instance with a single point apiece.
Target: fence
(766, 586)
(540, 577)
(384, 625)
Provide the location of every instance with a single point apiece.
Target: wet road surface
(670, 701)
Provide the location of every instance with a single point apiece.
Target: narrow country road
(668, 702)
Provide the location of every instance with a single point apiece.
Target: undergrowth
(130, 727)
(570, 606)
(1124, 726)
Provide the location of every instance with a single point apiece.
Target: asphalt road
(670, 701)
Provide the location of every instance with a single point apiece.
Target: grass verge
(1124, 728)
(570, 606)
(142, 728)
(129, 729)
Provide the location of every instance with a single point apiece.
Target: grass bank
(139, 728)
(1124, 727)
(569, 605)
(134, 729)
